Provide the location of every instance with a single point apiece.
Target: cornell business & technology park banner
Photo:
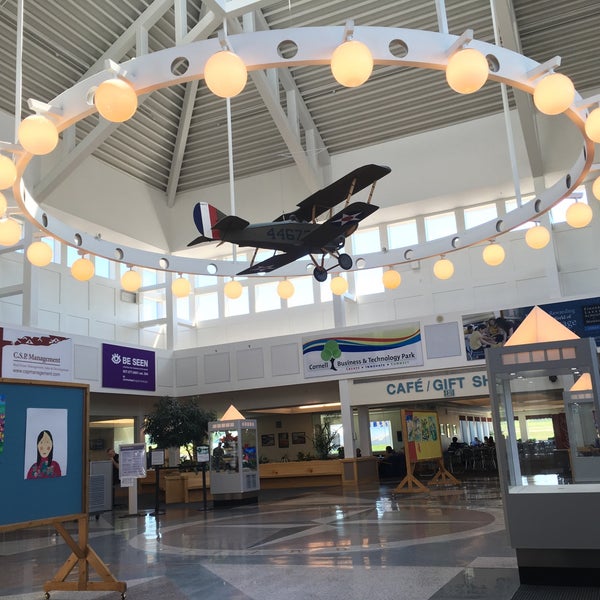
(364, 352)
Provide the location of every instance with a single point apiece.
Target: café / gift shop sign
(428, 387)
(128, 368)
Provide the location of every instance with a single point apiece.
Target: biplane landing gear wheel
(320, 274)
(123, 595)
(47, 595)
(345, 261)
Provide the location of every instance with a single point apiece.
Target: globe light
(39, 254)
(391, 279)
(596, 188)
(493, 255)
(285, 289)
(10, 232)
(351, 63)
(467, 70)
(592, 125)
(116, 100)
(537, 237)
(554, 94)
(233, 289)
(443, 268)
(181, 287)
(82, 269)
(8, 172)
(579, 215)
(338, 285)
(131, 281)
(3, 204)
(38, 134)
(225, 74)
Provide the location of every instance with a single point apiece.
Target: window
(102, 267)
(56, 247)
(239, 306)
(207, 306)
(365, 241)
(381, 435)
(369, 281)
(403, 234)
(477, 215)
(202, 281)
(152, 305)
(438, 226)
(266, 297)
(540, 428)
(325, 291)
(182, 307)
(303, 292)
(510, 205)
(558, 214)
(72, 255)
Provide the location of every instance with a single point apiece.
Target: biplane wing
(328, 197)
(273, 262)
(342, 224)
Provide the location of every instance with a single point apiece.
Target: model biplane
(296, 234)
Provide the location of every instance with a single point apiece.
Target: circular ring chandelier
(310, 46)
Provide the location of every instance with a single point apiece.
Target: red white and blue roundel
(205, 218)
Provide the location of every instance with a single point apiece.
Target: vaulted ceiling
(177, 141)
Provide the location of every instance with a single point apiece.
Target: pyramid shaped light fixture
(538, 326)
(232, 414)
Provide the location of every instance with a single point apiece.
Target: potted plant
(324, 440)
(177, 423)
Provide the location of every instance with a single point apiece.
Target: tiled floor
(322, 543)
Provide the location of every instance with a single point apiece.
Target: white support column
(347, 418)
(171, 312)
(364, 431)
(339, 310)
(31, 286)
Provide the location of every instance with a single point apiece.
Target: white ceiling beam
(185, 119)
(237, 8)
(506, 24)
(311, 176)
(104, 129)
(289, 85)
(11, 290)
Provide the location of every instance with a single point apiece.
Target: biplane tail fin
(206, 218)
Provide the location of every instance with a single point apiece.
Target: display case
(550, 498)
(584, 433)
(234, 462)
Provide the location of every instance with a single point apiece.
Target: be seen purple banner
(128, 368)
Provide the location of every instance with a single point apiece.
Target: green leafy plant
(324, 440)
(177, 422)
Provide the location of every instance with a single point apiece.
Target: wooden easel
(410, 483)
(443, 476)
(82, 557)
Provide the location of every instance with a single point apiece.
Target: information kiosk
(234, 462)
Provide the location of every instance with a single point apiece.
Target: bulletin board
(35, 416)
(422, 435)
